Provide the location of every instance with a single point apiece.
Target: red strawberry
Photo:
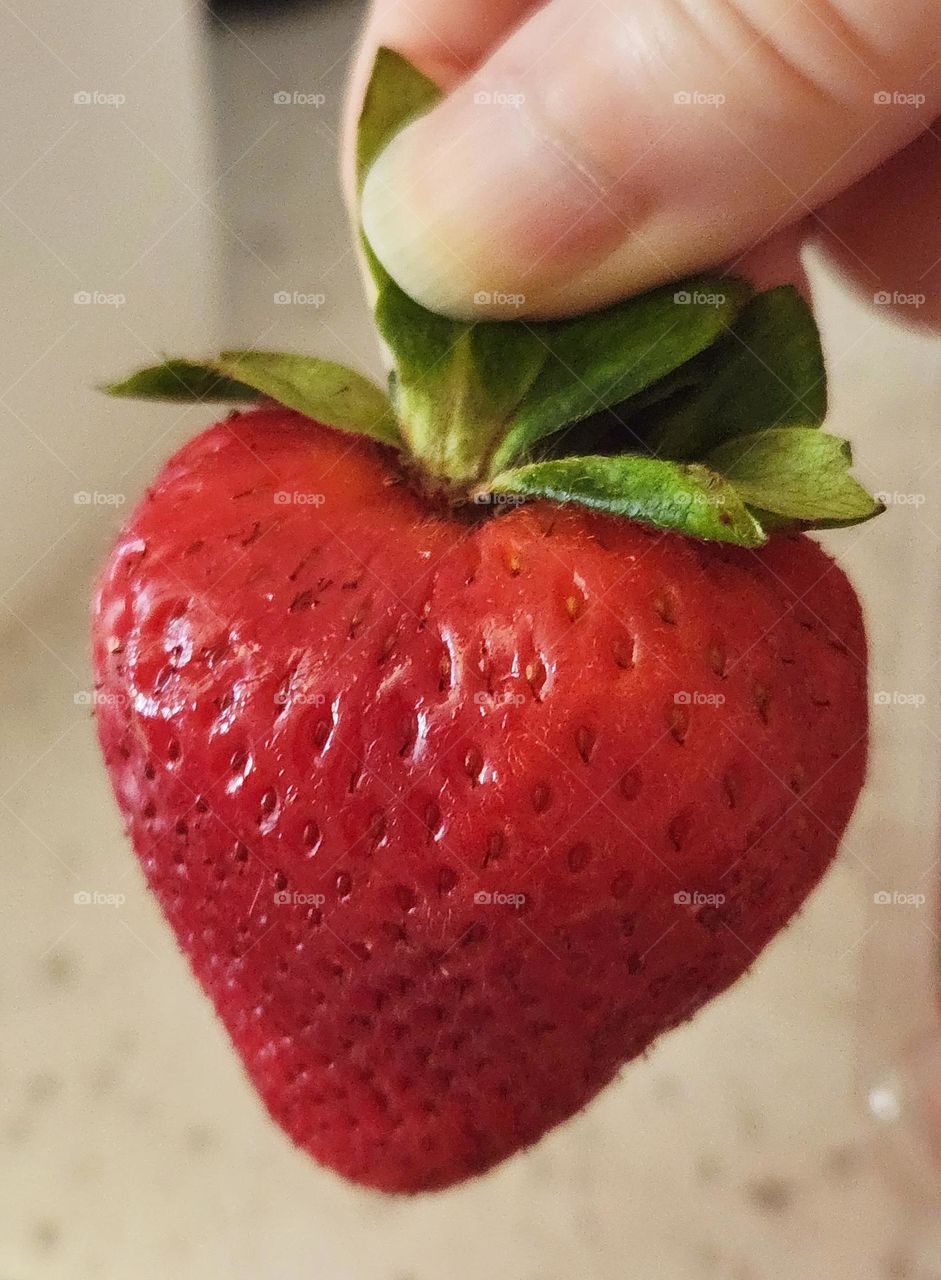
(455, 808)
(452, 818)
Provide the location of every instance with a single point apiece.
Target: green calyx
(696, 407)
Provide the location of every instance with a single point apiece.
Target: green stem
(449, 440)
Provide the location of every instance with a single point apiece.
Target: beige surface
(130, 1144)
(102, 199)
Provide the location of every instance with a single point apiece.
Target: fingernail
(476, 208)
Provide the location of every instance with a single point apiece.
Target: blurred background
(170, 185)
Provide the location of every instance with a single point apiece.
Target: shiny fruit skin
(453, 817)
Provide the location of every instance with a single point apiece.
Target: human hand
(586, 153)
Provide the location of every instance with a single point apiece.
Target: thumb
(603, 150)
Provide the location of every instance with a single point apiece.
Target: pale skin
(586, 151)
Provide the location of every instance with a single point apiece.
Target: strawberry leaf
(397, 92)
(326, 392)
(685, 497)
(600, 360)
(767, 372)
(181, 381)
(798, 473)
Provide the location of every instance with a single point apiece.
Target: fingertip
(477, 200)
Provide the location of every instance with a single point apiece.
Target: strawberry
(464, 763)
(451, 820)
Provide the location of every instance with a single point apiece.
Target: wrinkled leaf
(767, 372)
(322, 390)
(799, 473)
(685, 497)
(600, 360)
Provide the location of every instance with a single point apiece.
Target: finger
(885, 232)
(775, 261)
(602, 150)
(445, 41)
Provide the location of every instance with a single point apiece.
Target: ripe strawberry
(452, 819)
(459, 768)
